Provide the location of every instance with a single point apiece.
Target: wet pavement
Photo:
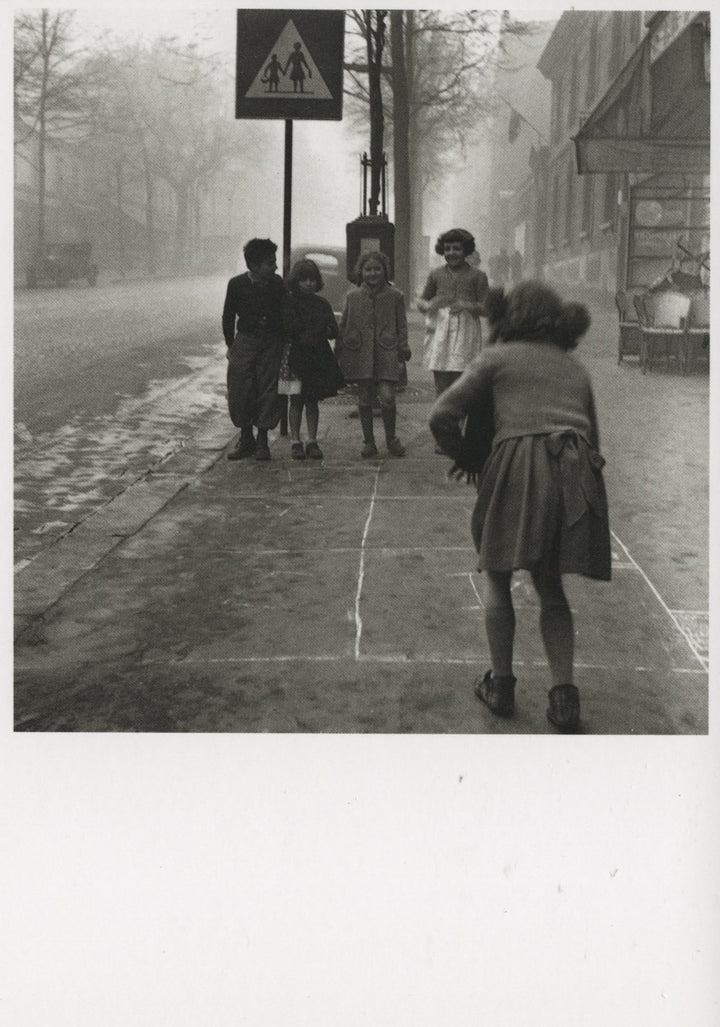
(339, 596)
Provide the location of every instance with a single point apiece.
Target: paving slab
(341, 596)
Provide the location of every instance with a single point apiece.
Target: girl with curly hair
(541, 502)
(453, 300)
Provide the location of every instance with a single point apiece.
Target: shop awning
(625, 134)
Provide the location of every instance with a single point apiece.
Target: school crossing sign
(290, 64)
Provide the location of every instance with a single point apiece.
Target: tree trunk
(119, 204)
(179, 257)
(401, 152)
(151, 256)
(42, 176)
(417, 264)
(42, 133)
(375, 44)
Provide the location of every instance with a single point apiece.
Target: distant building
(520, 129)
(582, 59)
(624, 176)
(650, 131)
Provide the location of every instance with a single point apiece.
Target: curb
(44, 580)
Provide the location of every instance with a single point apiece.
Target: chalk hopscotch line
(361, 569)
(346, 549)
(674, 615)
(398, 658)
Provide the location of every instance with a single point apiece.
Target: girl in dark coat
(310, 357)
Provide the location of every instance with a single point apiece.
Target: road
(109, 381)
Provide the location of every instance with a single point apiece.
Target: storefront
(652, 127)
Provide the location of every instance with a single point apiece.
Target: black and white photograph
(359, 363)
(194, 209)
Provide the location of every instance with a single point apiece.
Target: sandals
(563, 711)
(498, 694)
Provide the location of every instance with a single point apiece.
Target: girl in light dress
(453, 301)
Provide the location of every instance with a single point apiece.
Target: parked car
(332, 263)
(60, 263)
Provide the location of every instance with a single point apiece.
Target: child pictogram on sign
(299, 66)
(272, 73)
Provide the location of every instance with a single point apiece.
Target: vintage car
(332, 263)
(61, 263)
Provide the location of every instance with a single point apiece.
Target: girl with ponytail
(541, 502)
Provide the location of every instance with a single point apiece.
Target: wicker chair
(663, 320)
(697, 334)
(629, 337)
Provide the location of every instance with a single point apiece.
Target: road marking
(685, 634)
(345, 549)
(322, 498)
(361, 571)
(465, 661)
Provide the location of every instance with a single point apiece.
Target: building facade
(622, 186)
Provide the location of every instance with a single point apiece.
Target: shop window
(587, 210)
(573, 96)
(610, 200)
(569, 202)
(635, 26)
(592, 79)
(555, 219)
(700, 44)
(616, 48)
(556, 109)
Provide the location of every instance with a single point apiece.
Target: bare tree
(441, 93)
(165, 114)
(50, 90)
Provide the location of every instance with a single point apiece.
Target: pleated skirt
(542, 510)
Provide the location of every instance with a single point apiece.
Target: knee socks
(500, 630)
(366, 423)
(389, 416)
(556, 628)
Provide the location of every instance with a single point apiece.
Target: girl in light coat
(373, 340)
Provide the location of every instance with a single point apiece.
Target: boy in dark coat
(254, 329)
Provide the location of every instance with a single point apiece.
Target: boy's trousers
(252, 377)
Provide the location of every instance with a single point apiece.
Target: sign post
(289, 66)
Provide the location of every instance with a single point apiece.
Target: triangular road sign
(289, 71)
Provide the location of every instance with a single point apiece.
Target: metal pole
(287, 243)
(287, 208)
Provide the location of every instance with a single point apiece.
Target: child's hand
(405, 353)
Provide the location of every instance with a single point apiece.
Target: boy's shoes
(244, 448)
(498, 694)
(564, 709)
(369, 449)
(297, 451)
(312, 450)
(395, 447)
(262, 450)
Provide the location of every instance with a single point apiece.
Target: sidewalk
(339, 596)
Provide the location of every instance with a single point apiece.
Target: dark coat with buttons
(373, 334)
